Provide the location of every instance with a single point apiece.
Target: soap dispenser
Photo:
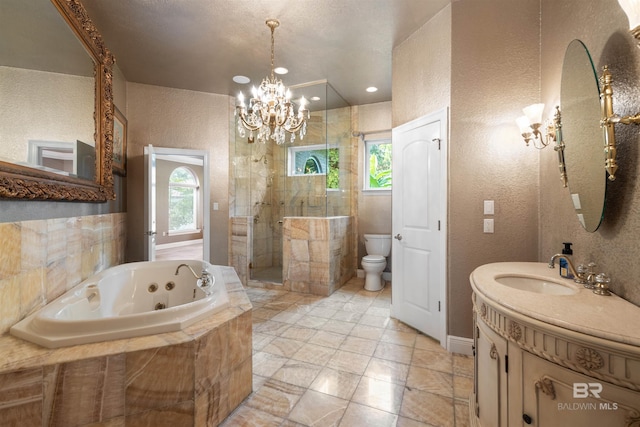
(564, 265)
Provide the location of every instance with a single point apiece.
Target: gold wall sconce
(609, 119)
(530, 125)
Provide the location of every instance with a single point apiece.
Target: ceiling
(201, 44)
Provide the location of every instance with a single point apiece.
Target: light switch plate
(488, 207)
(488, 225)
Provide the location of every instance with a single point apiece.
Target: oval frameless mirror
(582, 135)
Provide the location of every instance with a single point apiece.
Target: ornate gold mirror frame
(22, 182)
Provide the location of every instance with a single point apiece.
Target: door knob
(398, 236)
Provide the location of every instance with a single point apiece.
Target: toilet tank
(378, 244)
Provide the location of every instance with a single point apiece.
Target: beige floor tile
(287, 317)
(428, 408)
(393, 336)
(462, 387)
(365, 331)
(299, 333)
(245, 416)
(379, 394)
(463, 365)
(408, 422)
(283, 346)
(261, 340)
(397, 325)
(361, 415)
(349, 362)
(377, 321)
(424, 342)
(347, 316)
(397, 353)
(325, 312)
(267, 364)
(316, 354)
(359, 345)
(387, 370)
(338, 326)
(270, 327)
(276, 398)
(433, 360)
(328, 339)
(297, 373)
(318, 409)
(429, 380)
(313, 322)
(378, 311)
(353, 307)
(264, 313)
(336, 383)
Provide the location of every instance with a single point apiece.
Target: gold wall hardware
(609, 119)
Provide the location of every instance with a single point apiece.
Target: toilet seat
(374, 259)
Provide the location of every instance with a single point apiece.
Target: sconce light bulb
(534, 113)
(523, 124)
(632, 9)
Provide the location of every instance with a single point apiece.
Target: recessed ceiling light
(280, 70)
(315, 98)
(243, 80)
(372, 89)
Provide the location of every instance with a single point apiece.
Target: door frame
(442, 116)
(149, 249)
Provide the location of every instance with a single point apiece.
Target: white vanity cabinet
(552, 360)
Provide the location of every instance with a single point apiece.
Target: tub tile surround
(42, 259)
(192, 377)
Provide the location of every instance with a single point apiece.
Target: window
(377, 165)
(183, 201)
(316, 160)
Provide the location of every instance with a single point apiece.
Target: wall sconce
(609, 119)
(632, 9)
(530, 124)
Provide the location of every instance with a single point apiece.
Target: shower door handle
(398, 236)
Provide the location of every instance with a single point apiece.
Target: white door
(418, 224)
(151, 154)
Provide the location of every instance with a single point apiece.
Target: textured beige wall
(177, 118)
(485, 67)
(374, 208)
(602, 26)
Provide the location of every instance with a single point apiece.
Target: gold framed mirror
(21, 180)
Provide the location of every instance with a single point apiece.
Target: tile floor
(341, 361)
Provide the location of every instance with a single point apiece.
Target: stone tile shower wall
(42, 259)
(318, 254)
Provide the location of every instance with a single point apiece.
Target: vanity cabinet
(550, 360)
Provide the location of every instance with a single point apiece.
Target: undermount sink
(537, 285)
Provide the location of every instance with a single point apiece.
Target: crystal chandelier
(270, 112)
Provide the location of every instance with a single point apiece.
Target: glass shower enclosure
(310, 177)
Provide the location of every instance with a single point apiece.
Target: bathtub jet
(129, 300)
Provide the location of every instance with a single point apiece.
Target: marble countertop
(16, 354)
(607, 317)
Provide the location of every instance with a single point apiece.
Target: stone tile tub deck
(193, 377)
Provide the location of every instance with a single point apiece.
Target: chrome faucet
(205, 281)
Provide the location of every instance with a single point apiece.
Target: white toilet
(378, 249)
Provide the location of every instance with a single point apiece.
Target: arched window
(183, 200)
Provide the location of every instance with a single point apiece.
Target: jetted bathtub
(129, 300)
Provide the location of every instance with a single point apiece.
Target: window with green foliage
(183, 200)
(377, 165)
(316, 160)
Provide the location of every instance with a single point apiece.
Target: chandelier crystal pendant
(270, 113)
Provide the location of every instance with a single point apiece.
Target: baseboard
(460, 345)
